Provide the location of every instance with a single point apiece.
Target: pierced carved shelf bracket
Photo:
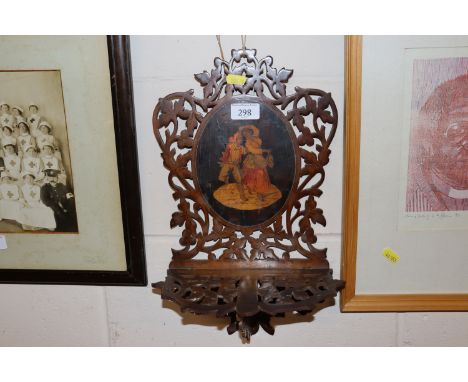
(246, 188)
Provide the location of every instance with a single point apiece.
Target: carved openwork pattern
(313, 115)
(274, 292)
(268, 294)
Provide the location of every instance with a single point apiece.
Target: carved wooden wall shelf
(246, 163)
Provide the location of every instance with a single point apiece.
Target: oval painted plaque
(245, 161)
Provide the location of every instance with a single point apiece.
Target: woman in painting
(254, 167)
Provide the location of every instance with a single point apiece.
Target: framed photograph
(70, 207)
(405, 241)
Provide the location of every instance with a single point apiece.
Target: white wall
(114, 316)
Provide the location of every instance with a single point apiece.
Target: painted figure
(230, 162)
(254, 167)
(246, 162)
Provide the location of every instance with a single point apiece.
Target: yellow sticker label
(390, 255)
(236, 79)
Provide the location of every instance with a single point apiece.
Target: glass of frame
(70, 206)
(406, 174)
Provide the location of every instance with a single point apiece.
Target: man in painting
(254, 167)
(438, 169)
(230, 162)
(57, 196)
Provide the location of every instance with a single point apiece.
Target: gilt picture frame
(426, 271)
(92, 124)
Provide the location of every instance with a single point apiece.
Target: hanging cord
(218, 37)
(243, 40)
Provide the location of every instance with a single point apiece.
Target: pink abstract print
(438, 146)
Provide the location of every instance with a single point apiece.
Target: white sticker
(245, 111)
(3, 244)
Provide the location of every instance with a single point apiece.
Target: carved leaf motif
(203, 78)
(263, 253)
(309, 236)
(236, 251)
(179, 109)
(324, 101)
(188, 237)
(238, 69)
(184, 172)
(326, 116)
(324, 154)
(184, 141)
(177, 220)
(304, 225)
(323, 104)
(311, 105)
(210, 81)
(284, 74)
(298, 120)
(316, 215)
(167, 114)
(191, 124)
(311, 169)
(306, 138)
(309, 156)
(182, 160)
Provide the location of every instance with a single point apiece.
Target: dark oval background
(213, 139)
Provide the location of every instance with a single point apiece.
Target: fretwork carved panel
(246, 164)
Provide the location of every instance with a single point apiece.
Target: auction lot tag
(390, 255)
(3, 243)
(235, 79)
(245, 111)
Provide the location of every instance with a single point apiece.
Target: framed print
(70, 207)
(405, 242)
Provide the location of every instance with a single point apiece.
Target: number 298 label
(245, 111)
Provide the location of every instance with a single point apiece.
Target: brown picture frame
(350, 301)
(127, 163)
